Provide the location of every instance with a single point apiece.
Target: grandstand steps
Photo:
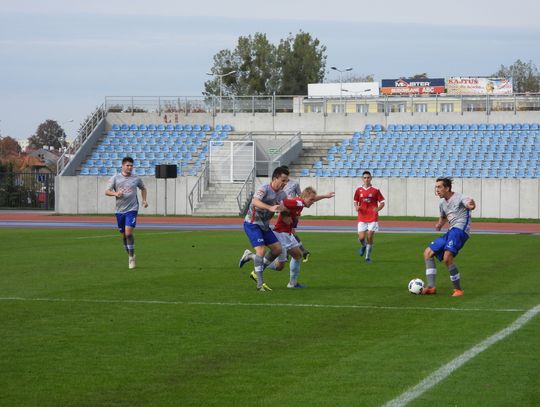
(314, 148)
(219, 200)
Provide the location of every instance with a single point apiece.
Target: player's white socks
(294, 270)
(258, 261)
(369, 247)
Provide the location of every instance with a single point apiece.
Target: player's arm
(257, 203)
(111, 190)
(325, 196)
(144, 195)
(379, 207)
(440, 223)
(470, 204)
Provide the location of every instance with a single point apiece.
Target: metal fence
(26, 191)
(275, 104)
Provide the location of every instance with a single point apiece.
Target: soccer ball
(416, 286)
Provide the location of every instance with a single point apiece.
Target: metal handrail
(243, 204)
(200, 187)
(85, 130)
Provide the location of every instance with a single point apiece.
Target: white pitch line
(446, 370)
(246, 304)
(141, 234)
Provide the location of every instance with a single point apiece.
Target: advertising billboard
(412, 86)
(459, 85)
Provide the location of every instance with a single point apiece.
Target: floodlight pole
(220, 82)
(341, 83)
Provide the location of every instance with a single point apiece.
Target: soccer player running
(456, 209)
(368, 202)
(292, 189)
(284, 229)
(123, 187)
(266, 201)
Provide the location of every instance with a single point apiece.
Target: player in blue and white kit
(123, 187)
(266, 201)
(456, 209)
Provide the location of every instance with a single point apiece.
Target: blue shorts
(259, 237)
(126, 219)
(452, 241)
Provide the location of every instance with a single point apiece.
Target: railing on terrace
(243, 199)
(198, 189)
(85, 130)
(347, 104)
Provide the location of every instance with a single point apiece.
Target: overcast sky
(60, 58)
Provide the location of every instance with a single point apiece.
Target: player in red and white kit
(283, 230)
(368, 201)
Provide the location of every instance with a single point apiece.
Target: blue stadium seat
(304, 172)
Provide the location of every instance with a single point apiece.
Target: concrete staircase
(314, 148)
(219, 200)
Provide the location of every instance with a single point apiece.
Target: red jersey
(287, 220)
(368, 199)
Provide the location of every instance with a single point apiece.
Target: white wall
(495, 198)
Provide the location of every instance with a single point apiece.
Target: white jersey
(458, 215)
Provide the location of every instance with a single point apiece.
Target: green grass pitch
(188, 328)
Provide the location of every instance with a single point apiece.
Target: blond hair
(307, 192)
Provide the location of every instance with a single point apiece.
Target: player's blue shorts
(259, 237)
(452, 241)
(126, 219)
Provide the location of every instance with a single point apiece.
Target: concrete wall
(495, 198)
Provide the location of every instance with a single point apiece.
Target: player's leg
(369, 246)
(362, 228)
(305, 252)
(431, 271)
(456, 241)
(131, 223)
(280, 261)
(448, 260)
(294, 266)
(435, 249)
(121, 223)
(264, 259)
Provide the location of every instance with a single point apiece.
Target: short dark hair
(280, 170)
(446, 181)
(127, 160)
(366, 172)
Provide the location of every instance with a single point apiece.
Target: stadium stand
(150, 145)
(429, 150)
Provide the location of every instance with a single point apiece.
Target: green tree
(351, 77)
(262, 68)
(525, 76)
(48, 133)
(302, 60)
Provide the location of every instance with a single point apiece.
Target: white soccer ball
(416, 286)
